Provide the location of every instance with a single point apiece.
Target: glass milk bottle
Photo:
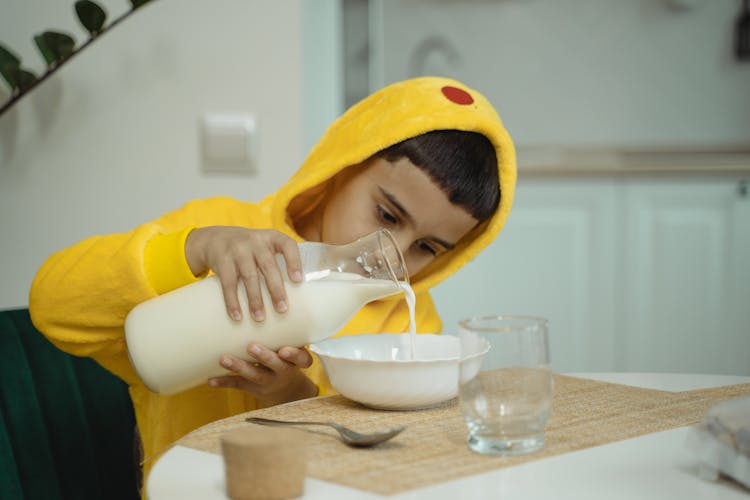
(175, 340)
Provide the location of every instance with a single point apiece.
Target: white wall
(635, 73)
(112, 139)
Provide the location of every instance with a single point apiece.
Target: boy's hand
(249, 255)
(274, 378)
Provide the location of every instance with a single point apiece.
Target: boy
(426, 158)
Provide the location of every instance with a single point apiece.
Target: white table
(653, 466)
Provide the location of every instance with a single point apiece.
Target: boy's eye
(426, 247)
(386, 216)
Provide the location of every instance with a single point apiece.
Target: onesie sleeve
(165, 264)
(81, 295)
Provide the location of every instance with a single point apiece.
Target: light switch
(229, 143)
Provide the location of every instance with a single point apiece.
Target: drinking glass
(505, 383)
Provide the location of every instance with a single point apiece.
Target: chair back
(66, 424)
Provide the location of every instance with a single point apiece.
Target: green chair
(66, 424)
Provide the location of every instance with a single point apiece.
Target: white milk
(175, 340)
(411, 302)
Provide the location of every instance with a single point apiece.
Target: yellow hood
(391, 115)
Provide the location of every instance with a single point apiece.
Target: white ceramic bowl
(377, 370)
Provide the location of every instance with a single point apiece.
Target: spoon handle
(269, 421)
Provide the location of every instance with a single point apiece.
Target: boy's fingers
(254, 297)
(267, 358)
(298, 357)
(290, 251)
(256, 373)
(229, 290)
(273, 280)
(251, 280)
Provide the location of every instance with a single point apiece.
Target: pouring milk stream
(175, 340)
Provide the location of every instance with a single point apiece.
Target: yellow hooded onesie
(81, 295)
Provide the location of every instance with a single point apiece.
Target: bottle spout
(381, 258)
(375, 256)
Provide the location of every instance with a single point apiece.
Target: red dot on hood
(459, 96)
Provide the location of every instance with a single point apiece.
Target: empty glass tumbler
(505, 383)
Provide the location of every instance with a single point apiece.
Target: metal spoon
(348, 436)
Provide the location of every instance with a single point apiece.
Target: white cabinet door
(634, 274)
(686, 271)
(555, 258)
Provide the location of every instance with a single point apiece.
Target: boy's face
(401, 198)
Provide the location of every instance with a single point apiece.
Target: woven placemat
(433, 448)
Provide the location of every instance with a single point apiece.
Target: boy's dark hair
(462, 163)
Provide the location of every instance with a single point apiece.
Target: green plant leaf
(8, 57)
(21, 79)
(9, 65)
(10, 74)
(91, 15)
(54, 46)
(138, 3)
(44, 49)
(26, 79)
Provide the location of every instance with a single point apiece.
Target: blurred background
(631, 225)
